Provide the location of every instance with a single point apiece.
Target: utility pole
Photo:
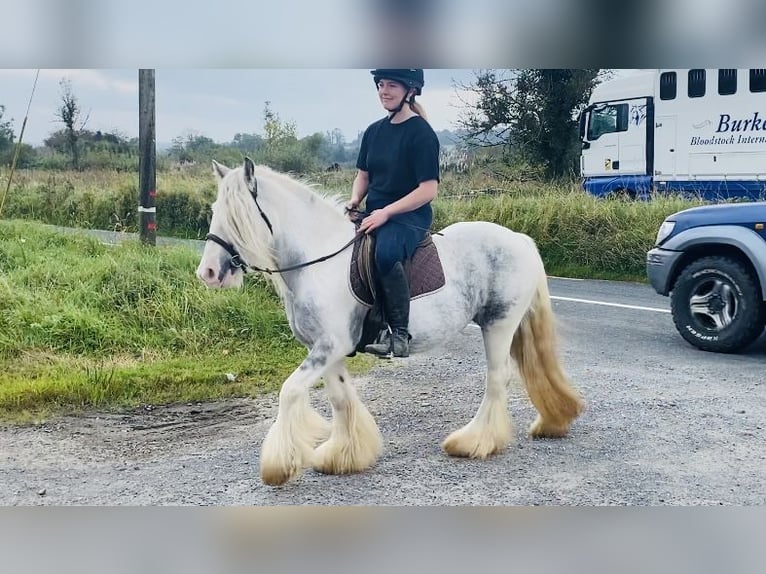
(147, 158)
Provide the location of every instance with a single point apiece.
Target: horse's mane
(248, 232)
(303, 187)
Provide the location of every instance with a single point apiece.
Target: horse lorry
(696, 132)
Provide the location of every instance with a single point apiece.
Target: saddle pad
(424, 270)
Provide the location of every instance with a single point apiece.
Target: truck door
(615, 139)
(665, 147)
(632, 142)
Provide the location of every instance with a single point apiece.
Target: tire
(717, 305)
(621, 194)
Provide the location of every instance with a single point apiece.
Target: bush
(578, 235)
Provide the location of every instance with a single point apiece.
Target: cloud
(81, 78)
(213, 100)
(95, 79)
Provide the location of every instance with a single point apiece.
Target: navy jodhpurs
(397, 242)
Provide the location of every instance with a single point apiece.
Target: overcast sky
(219, 103)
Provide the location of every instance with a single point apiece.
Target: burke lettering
(726, 124)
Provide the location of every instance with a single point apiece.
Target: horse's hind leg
(490, 430)
(355, 442)
(534, 348)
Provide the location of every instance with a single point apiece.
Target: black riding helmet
(411, 78)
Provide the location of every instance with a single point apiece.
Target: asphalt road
(666, 424)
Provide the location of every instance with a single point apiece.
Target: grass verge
(85, 325)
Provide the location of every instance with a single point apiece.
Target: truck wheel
(621, 194)
(717, 305)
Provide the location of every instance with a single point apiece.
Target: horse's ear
(249, 172)
(219, 170)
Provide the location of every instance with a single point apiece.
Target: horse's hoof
(277, 476)
(453, 448)
(469, 447)
(540, 429)
(332, 458)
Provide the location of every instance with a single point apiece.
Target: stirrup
(396, 344)
(382, 347)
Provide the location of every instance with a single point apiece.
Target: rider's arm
(359, 188)
(418, 197)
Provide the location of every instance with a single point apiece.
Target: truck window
(668, 86)
(607, 119)
(696, 83)
(758, 80)
(727, 82)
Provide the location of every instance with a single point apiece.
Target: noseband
(236, 258)
(239, 263)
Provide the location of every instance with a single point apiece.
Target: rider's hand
(351, 206)
(376, 219)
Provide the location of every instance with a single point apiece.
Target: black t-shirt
(398, 158)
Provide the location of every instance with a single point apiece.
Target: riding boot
(396, 298)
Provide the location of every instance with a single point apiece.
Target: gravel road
(666, 424)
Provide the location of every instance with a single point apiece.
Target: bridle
(238, 262)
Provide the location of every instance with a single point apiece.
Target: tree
(336, 138)
(57, 141)
(192, 146)
(276, 131)
(531, 113)
(69, 114)
(333, 148)
(247, 142)
(6, 137)
(282, 150)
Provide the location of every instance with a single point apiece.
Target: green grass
(578, 235)
(85, 325)
(107, 199)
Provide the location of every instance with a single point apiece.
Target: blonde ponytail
(417, 107)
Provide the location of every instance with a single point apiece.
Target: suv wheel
(717, 305)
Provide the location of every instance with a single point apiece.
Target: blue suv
(711, 261)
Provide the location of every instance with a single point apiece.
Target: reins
(239, 263)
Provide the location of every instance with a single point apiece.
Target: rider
(398, 173)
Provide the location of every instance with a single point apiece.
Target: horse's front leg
(289, 444)
(355, 442)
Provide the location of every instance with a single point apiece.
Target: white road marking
(606, 304)
(621, 305)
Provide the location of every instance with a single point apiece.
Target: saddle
(425, 276)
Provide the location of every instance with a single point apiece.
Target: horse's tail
(534, 348)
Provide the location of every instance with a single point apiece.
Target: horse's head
(237, 232)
